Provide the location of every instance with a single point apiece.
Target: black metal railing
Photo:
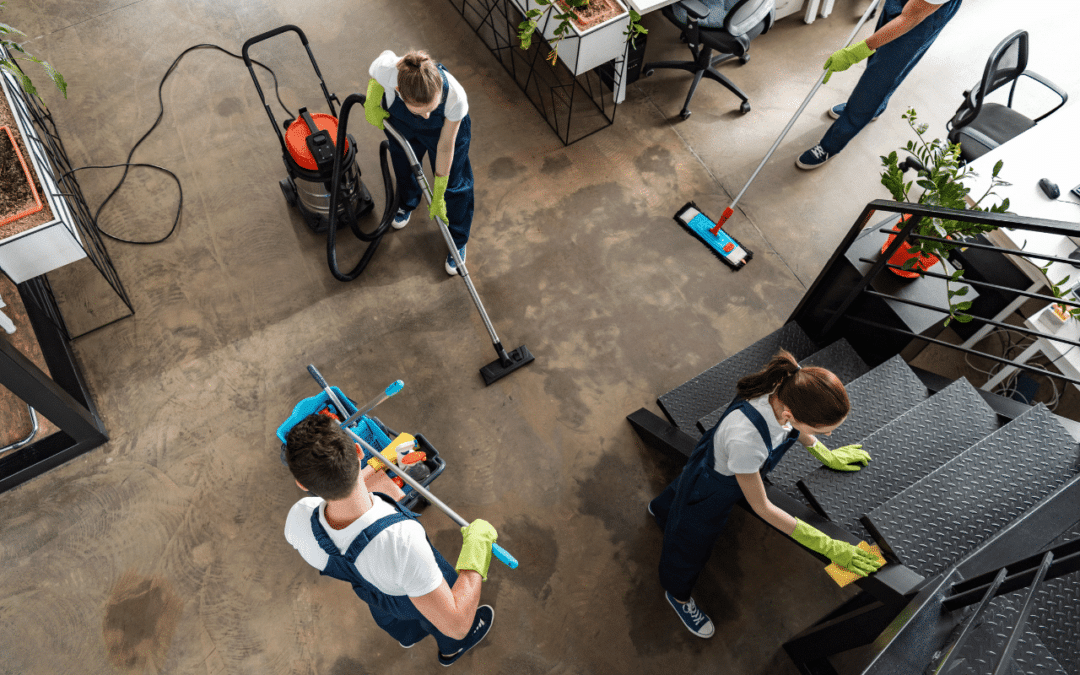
(839, 303)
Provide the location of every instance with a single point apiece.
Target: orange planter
(902, 255)
(36, 206)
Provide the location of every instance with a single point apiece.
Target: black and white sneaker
(485, 616)
(812, 158)
(401, 219)
(693, 618)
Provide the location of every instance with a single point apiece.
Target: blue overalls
(423, 136)
(694, 508)
(885, 70)
(395, 614)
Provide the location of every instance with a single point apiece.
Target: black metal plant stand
(573, 106)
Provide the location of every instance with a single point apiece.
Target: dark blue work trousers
(885, 70)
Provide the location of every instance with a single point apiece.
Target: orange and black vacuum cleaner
(307, 148)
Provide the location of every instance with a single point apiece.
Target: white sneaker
(451, 266)
(693, 618)
(401, 219)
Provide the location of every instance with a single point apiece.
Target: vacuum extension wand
(498, 551)
(731, 209)
(507, 362)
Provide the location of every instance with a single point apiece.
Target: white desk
(1051, 149)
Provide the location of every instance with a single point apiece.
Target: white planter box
(50, 245)
(581, 52)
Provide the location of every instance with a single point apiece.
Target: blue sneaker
(485, 616)
(451, 266)
(410, 646)
(401, 219)
(693, 618)
(812, 158)
(837, 110)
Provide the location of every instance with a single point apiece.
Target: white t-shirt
(737, 446)
(384, 71)
(398, 561)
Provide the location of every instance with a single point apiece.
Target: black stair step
(877, 398)
(982, 650)
(947, 514)
(1055, 617)
(901, 453)
(686, 404)
(839, 357)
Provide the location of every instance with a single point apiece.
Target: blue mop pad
(722, 244)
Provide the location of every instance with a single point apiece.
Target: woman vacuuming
(775, 407)
(428, 107)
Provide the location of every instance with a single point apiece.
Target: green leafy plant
(10, 66)
(532, 17)
(1059, 290)
(941, 180)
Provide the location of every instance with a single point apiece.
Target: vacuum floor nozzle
(498, 369)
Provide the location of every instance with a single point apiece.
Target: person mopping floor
(429, 108)
(379, 547)
(774, 408)
(904, 32)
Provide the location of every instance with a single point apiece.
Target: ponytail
(419, 80)
(814, 395)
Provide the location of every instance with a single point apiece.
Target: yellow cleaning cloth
(842, 576)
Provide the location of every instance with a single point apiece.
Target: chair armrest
(694, 8)
(1052, 87)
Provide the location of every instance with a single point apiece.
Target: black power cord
(161, 113)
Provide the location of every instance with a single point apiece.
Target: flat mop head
(719, 242)
(506, 363)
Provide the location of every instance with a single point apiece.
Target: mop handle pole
(768, 155)
(496, 550)
(390, 391)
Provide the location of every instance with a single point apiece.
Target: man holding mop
(378, 546)
(904, 32)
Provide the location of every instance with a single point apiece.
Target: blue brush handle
(504, 555)
(394, 388)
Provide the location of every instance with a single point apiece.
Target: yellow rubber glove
(476, 541)
(842, 59)
(438, 199)
(846, 555)
(840, 459)
(373, 110)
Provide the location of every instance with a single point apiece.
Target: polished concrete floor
(162, 551)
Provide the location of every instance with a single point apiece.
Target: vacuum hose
(375, 236)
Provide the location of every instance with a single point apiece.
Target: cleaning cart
(375, 434)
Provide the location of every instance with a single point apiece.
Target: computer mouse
(1049, 188)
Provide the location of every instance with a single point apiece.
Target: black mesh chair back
(980, 126)
(1007, 62)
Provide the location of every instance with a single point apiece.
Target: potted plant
(602, 26)
(940, 176)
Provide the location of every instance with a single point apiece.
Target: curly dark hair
(322, 457)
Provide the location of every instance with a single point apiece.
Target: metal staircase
(961, 481)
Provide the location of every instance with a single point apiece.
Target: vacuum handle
(269, 34)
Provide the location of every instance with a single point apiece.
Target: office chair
(979, 126)
(743, 22)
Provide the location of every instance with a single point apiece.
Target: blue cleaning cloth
(702, 224)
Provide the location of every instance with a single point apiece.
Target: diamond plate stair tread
(1055, 617)
(983, 647)
(839, 357)
(715, 387)
(904, 451)
(877, 398)
(948, 513)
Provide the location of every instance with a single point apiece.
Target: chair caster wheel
(685, 114)
(745, 107)
(744, 58)
(649, 72)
